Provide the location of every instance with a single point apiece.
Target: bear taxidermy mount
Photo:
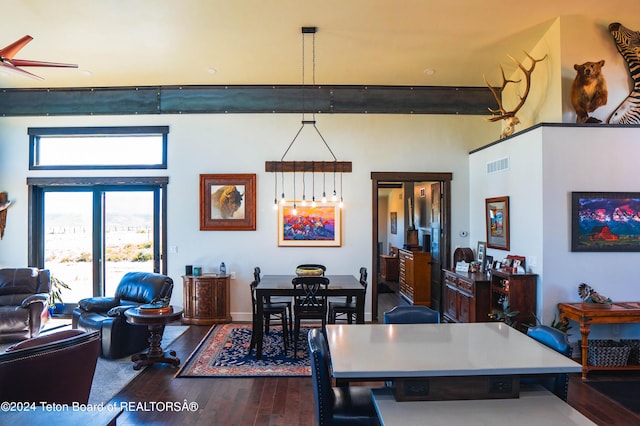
(589, 91)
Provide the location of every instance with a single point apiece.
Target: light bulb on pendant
(282, 198)
(294, 211)
(324, 194)
(304, 197)
(334, 197)
(275, 191)
(341, 200)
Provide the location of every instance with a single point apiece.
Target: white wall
(241, 144)
(547, 164)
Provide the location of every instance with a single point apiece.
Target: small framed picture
(488, 263)
(481, 252)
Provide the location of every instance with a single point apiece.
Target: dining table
(281, 285)
(449, 360)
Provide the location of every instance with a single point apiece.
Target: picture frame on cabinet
(227, 202)
(497, 222)
(481, 252)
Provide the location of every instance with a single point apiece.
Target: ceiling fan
(7, 62)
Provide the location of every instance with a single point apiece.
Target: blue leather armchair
(106, 314)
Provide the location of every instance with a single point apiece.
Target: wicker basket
(634, 356)
(608, 353)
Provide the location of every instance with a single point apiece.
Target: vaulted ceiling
(247, 42)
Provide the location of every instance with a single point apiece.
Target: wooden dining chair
(342, 405)
(411, 314)
(277, 299)
(558, 341)
(310, 305)
(346, 308)
(270, 311)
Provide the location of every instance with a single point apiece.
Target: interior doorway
(433, 225)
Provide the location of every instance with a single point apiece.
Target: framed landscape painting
(228, 202)
(497, 220)
(318, 226)
(605, 221)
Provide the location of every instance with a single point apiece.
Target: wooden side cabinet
(466, 297)
(415, 276)
(520, 293)
(206, 299)
(389, 268)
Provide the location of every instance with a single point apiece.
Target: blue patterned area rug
(224, 352)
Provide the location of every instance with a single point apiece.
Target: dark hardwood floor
(285, 401)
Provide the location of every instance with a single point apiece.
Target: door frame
(445, 220)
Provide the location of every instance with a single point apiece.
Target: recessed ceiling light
(87, 73)
(211, 70)
(429, 71)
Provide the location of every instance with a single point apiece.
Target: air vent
(498, 165)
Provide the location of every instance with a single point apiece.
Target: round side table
(155, 323)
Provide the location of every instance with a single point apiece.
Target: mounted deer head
(501, 113)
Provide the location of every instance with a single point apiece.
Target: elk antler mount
(501, 113)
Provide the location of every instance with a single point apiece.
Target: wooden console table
(618, 313)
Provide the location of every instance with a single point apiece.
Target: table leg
(584, 331)
(360, 308)
(257, 330)
(155, 353)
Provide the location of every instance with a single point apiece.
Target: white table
(442, 361)
(534, 407)
(383, 351)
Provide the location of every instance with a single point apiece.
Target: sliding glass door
(91, 236)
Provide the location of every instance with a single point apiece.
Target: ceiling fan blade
(9, 67)
(28, 63)
(10, 50)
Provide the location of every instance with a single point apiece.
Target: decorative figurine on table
(159, 305)
(592, 297)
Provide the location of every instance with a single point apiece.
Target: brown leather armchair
(106, 314)
(56, 368)
(24, 298)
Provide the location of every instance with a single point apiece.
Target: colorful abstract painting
(309, 226)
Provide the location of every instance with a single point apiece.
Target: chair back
(311, 302)
(256, 274)
(551, 337)
(363, 276)
(321, 376)
(143, 287)
(412, 314)
(56, 368)
(558, 341)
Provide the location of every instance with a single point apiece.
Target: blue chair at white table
(411, 314)
(558, 341)
(342, 405)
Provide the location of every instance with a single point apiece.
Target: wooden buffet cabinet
(206, 299)
(415, 276)
(466, 296)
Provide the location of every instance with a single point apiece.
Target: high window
(89, 231)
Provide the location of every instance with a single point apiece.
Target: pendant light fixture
(306, 166)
